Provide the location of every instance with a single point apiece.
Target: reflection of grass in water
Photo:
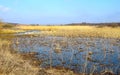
(90, 53)
(73, 43)
(57, 49)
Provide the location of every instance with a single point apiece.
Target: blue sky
(59, 11)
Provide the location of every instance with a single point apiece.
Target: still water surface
(78, 54)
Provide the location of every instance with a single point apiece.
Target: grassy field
(10, 31)
(76, 31)
(14, 64)
(69, 31)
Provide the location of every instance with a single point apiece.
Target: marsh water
(82, 55)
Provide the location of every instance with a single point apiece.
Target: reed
(12, 63)
(76, 31)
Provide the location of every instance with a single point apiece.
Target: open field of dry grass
(10, 31)
(69, 31)
(14, 64)
(76, 31)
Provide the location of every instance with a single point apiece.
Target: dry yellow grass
(52, 28)
(10, 31)
(13, 64)
(8, 28)
(80, 31)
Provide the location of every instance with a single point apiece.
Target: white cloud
(4, 9)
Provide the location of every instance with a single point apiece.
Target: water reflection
(79, 54)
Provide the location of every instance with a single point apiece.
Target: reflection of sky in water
(104, 55)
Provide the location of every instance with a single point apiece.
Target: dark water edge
(82, 55)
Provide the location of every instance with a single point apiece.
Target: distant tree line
(96, 24)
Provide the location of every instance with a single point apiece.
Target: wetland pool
(82, 55)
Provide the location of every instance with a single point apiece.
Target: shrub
(8, 26)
